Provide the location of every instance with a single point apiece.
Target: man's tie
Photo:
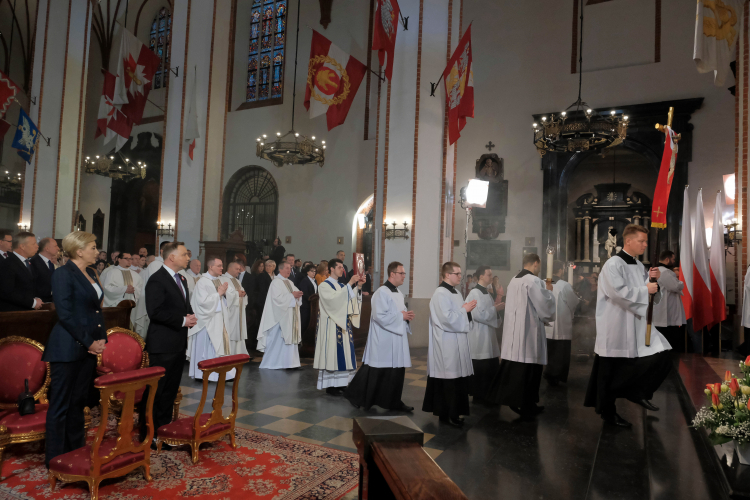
(5, 255)
(28, 264)
(50, 265)
(179, 284)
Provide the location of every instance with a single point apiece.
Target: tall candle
(570, 274)
(550, 260)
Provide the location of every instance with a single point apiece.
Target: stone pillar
(578, 238)
(61, 54)
(595, 256)
(586, 239)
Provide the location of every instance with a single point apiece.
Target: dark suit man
(42, 267)
(306, 284)
(168, 308)
(16, 276)
(6, 244)
(344, 279)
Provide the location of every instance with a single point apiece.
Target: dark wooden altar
(226, 250)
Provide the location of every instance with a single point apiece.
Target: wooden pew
(37, 325)
(393, 465)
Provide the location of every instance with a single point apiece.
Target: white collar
(211, 276)
(45, 259)
(280, 276)
(191, 273)
(23, 259)
(134, 268)
(122, 268)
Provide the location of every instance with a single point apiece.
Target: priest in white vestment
(280, 331)
(191, 278)
(529, 304)
(560, 331)
(210, 303)
(236, 307)
(141, 316)
(122, 284)
(334, 342)
(669, 313)
(485, 352)
(449, 367)
(380, 379)
(624, 367)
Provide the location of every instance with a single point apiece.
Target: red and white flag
(191, 132)
(718, 265)
(136, 68)
(333, 79)
(459, 87)
(686, 257)
(702, 305)
(664, 181)
(8, 91)
(111, 121)
(384, 37)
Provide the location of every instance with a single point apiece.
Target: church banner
(384, 37)
(664, 181)
(8, 91)
(333, 77)
(111, 121)
(27, 137)
(136, 68)
(717, 25)
(459, 87)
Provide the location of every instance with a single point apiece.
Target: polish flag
(717, 265)
(333, 79)
(702, 305)
(686, 257)
(111, 121)
(136, 68)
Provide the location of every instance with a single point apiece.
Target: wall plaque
(493, 253)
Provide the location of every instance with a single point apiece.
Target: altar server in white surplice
(623, 366)
(529, 304)
(280, 329)
(334, 342)
(669, 313)
(560, 331)
(141, 316)
(485, 352)
(380, 379)
(210, 306)
(122, 284)
(237, 320)
(449, 368)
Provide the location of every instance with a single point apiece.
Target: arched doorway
(251, 205)
(363, 229)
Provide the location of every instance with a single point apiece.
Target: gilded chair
(113, 456)
(126, 351)
(205, 427)
(21, 359)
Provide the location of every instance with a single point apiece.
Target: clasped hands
(469, 306)
(297, 294)
(97, 347)
(408, 315)
(357, 279)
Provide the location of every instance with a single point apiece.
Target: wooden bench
(393, 465)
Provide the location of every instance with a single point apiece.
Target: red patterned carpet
(263, 466)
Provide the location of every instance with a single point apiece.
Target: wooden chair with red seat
(21, 359)
(114, 456)
(205, 427)
(126, 350)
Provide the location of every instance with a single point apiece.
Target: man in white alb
(669, 313)
(237, 305)
(560, 331)
(280, 329)
(334, 343)
(210, 304)
(485, 353)
(122, 283)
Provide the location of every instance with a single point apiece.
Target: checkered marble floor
(287, 403)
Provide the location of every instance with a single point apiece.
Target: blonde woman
(76, 339)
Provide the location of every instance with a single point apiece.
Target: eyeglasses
(457, 274)
(402, 274)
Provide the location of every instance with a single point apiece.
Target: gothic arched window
(265, 62)
(251, 202)
(160, 39)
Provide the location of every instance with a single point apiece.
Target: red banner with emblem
(459, 87)
(664, 181)
(384, 37)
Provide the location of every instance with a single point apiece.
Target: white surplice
(211, 332)
(746, 300)
(621, 306)
(280, 330)
(482, 336)
(141, 316)
(528, 306)
(237, 326)
(566, 302)
(448, 353)
(334, 344)
(115, 285)
(387, 340)
(669, 311)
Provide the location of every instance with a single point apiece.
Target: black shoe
(405, 408)
(617, 420)
(454, 422)
(647, 404)
(335, 391)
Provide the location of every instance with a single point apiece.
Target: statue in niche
(489, 222)
(611, 244)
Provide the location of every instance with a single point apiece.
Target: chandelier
(11, 183)
(107, 166)
(582, 128)
(291, 148)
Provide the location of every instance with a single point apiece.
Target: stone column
(61, 54)
(578, 238)
(595, 256)
(586, 239)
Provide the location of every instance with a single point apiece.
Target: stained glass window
(160, 39)
(265, 63)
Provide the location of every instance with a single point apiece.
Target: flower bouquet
(727, 414)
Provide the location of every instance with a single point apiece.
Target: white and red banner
(8, 91)
(702, 306)
(136, 68)
(717, 264)
(686, 257)
(664, 181)
(459, 87)
(384, 37)
(333, 78)
(111, 121)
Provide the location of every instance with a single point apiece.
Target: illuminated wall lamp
(396, 233)
(163, 230)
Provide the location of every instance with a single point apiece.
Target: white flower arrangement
(727, 415)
